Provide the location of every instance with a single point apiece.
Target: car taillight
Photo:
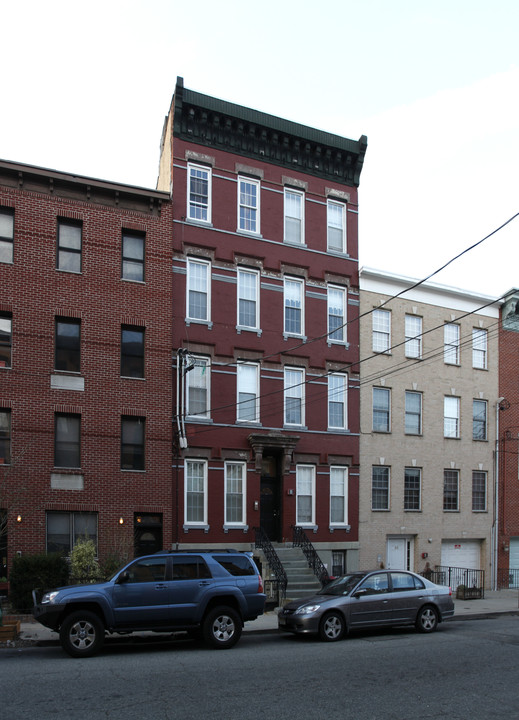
(260, 584)
(450, 591)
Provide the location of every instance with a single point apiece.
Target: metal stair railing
(300, 539)
(262, 542)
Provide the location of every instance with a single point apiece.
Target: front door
(398, 553)
(270, 493)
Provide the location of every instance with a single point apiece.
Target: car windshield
(342, 585)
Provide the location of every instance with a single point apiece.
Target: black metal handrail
(263, 542)
(507, 578)
(301, 539)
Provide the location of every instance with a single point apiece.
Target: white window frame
(411, 413)
(338, 395)
(299, 283)
(451, 417)
(479, 348)
(6, 235)
(191, 262)
(341, 206)
(243, 293)
(451, 344)
(478, 475)
(243, 466)
(291, 220)
(455, 474)
(381, 331)
(413, 336)
(386, 392)
(418, 471)
(386, 490)
(199, 211)
(187, 463)
(294, 390)
(199, 378)
(309, 483)
(248, 207)
(338, 335)
(243, 382)
(339, 489)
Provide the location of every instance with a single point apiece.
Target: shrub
(84, 568)
(35, 572)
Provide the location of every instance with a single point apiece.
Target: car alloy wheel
(427, 619)
(82, 634)
(332, 627)
(222, 628)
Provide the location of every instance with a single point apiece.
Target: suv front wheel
(82, 634)
(222, 628)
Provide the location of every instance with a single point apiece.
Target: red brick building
(85, 364)
(507, 549)
(265, 302)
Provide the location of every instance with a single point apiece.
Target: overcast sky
(434, 86)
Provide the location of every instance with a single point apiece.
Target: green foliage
(35, 572)
(84, 568)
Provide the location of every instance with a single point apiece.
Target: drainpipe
(496, 502)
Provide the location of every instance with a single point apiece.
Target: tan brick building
(429, 392)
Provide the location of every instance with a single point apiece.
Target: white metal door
(514, 561)
(398, 553)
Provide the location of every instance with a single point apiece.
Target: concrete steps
(301, 579)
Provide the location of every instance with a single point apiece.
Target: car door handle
(204, 583)
(161, 586)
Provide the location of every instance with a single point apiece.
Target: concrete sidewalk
(493, 604)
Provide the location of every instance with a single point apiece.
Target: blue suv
(208, 594)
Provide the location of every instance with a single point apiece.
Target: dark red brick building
(85, 364)
(265, 301)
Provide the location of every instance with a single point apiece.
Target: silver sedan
(379, 598)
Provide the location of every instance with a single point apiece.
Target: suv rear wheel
(222, 628)
(82, 634)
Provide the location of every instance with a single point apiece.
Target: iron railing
(468, 583)
(507, 578)
(300, 539)
(262, 541)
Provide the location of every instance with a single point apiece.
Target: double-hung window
(132, 351)
(294, 306)
(133, 256)
(195, 497)
(198, 299)
(64, 529)
(248, 298)
(381, 331)
(305, 494)
(6, 235)
(69, 246)
(336, 212)
(198, 381)
(451, 344)
(336, 314)
(67, 440)
(248, 392)
(248, 205)
(379, 487)
(451, 417)
(479, 348)
(5, 437)
(337, 401)
(294, 396)
(294, 216)
(451, 479)
(479, 491)
(199, 193)
(413, 413)
(132, 443)
(381, 410)
(235, 493)
(6, 339)
(479, 419)
(412, 488)
(338, 495)
(413, 336)
(68, 345)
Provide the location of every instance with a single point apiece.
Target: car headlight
(49, 597)
(307, 609)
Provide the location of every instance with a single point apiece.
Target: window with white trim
(248, 205)
(336, 214)
(198, 387)
(338, 401)
(198, 300)
(294, 379)
(451, 480)
(479, 348)
(305, 495)
(235, 493)
(479, 491)
(451, 417)
(248, 298)
(248, 392)
(413, 336)
(195, 492)
(293, 294)
(6, 235)
(412, 488)
(336, 314)
(338, 496)
(381, 409)
(413, 413)
(479, 419)
(379, 487)
(294, 216)
(381, 335)
(451, 344)
(199, 193)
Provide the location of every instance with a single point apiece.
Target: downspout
(496, 501)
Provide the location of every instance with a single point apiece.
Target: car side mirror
(123, 577)
(360, 593)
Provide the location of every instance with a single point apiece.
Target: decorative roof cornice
(222, 125)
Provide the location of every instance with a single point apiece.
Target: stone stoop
(301, 579)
